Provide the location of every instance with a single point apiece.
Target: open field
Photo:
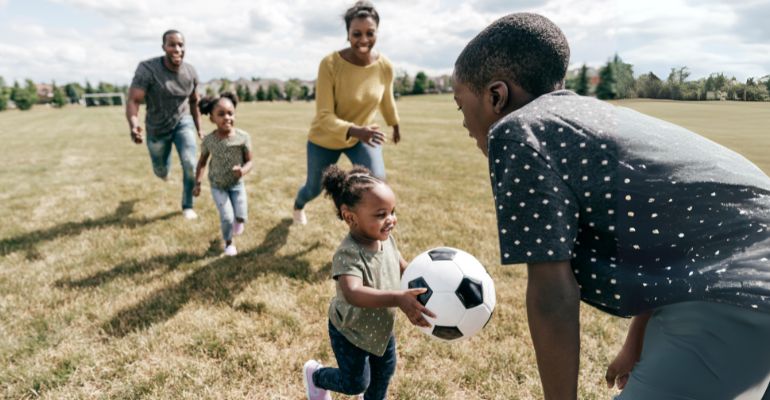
(106, 292)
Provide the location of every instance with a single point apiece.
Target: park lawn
(107, 292)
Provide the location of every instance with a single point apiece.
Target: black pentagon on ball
(447, 332)
(470, 292)
(442, 253)
(420, 283)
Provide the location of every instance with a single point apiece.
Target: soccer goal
(110, 96)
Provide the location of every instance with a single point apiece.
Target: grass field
(106, 292)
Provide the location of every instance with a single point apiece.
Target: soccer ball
(460, 292)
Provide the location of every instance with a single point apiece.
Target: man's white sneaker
(189, 213)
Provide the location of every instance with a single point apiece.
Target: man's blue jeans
(359, 371)
(318, 158)
(183, 137)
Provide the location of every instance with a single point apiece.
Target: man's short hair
(170, 32)
(527, 49)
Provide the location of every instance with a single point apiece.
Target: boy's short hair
(527, 49)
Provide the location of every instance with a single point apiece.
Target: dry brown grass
(106, 292)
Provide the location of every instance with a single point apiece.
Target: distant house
(716, 95)
(44, 93)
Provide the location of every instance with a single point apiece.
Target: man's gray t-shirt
(648, 212)
(166, 93)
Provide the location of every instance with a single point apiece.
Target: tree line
(615, 80)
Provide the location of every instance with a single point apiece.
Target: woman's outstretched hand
(370, 135)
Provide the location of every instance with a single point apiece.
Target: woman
(352, 84)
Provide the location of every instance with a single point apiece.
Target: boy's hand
(197, 190)
(620, 368)
(237, 171)
(413, 309)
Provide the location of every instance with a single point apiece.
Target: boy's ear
(499, 95)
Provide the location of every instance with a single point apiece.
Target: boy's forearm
(635, 337)
(553, 311)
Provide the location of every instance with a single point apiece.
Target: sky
(104, 40)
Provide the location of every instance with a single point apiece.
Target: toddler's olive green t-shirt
(367, 328)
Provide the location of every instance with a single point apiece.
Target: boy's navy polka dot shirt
(648, 212)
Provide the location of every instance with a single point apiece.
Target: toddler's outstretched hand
(237, 171)
(413, 309)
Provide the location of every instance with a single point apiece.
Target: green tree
(624, 78)
(240, 91)
(23, 97)
(581, 82)
(31, 88)
(305, 93)
(420, 83)
(649, 86)
(261, 95)
(402, 84)
(89, 90)
(292, 88)
(59, 97)
(4, 92)
(675, 82)
(606, 89)
(74, 92)
(767, 82)
(248, 96)
(274, 92)
(107, 88)
(210, 92)
(225, 85)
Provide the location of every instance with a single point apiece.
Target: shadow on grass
(120, 218)
(133, 267)
(219, 282)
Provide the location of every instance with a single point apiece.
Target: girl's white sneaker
(230, 250)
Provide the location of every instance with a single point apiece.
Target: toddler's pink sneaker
(313, 391)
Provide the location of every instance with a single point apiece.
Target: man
(630, 214)
(169, 86)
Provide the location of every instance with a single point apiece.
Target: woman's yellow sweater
(347, 94)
